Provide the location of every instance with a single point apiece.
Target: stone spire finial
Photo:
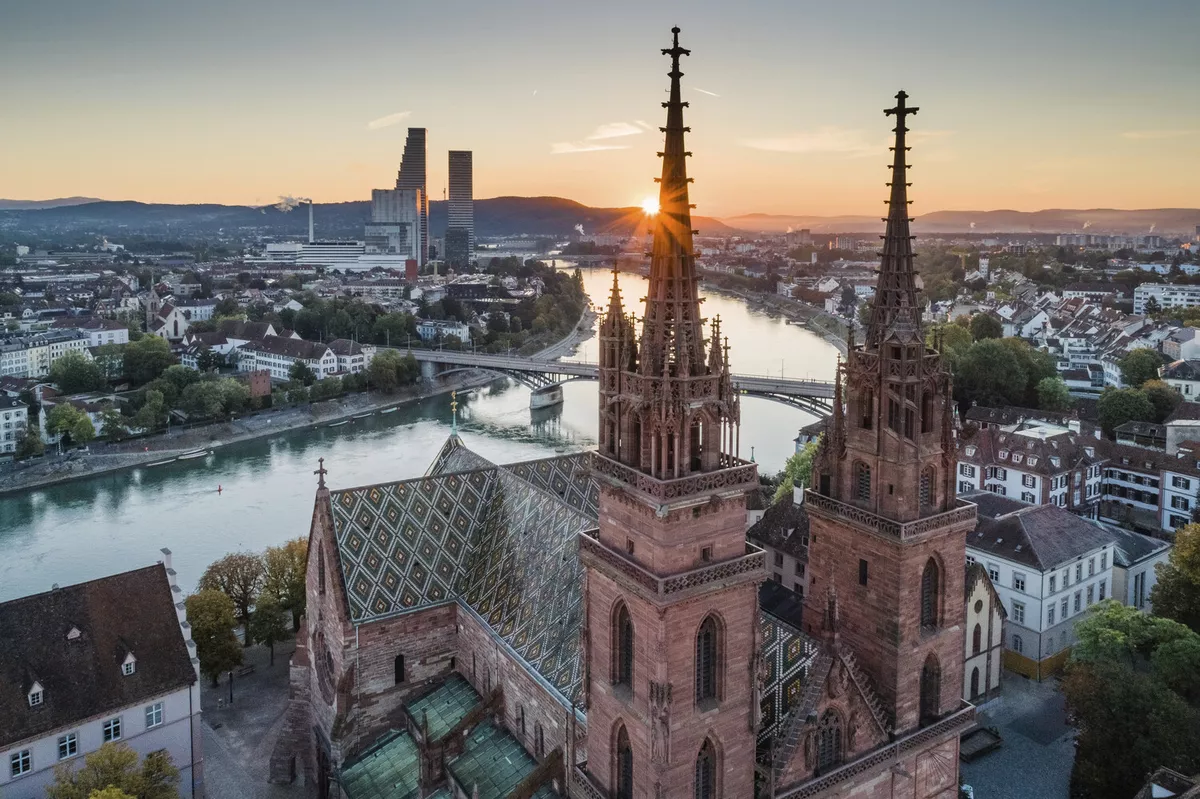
(320, 473)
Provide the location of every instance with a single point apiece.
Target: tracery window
(829, 741)
(706, 771)
(708, 653)
(862, 481)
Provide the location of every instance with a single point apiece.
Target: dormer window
(1017, 457)
(1033, 460)
(1003, 454)
(35, 694)
(970, 451)
(73, 633)
(129, 666)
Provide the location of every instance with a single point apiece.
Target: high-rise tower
(887, 532)
(671, 586)
(460, 210)
(412, 176)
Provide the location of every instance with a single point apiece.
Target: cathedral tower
(671, 587)
(887, 531)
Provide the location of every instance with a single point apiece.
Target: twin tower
(672, 614)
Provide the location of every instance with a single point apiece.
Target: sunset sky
(1025, 104)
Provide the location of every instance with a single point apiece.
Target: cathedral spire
(671, 333)
(895, 302)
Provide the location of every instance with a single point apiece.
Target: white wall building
(276, 356)
(140, 684)
(14, 420)
(1167, 295)
(33, 355)
(983, 643)
(431, 329)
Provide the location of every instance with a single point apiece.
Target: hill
(28, 205)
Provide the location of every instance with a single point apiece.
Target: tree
(227, 306)
(147, 358)
(112, 425)
(1163, 397)
(384, 371)
(1121, 695)
(1139, 366)
(268, 623)
(989, 375)
(796, 472)
(112, 771)
(285, 577)
(29, 445)
(209, 360)
(1053, 394)
(153, 413)
(1176, 595)
(1152, 307)
(1120, 405)
(75, 373)
(64, 419)
(238, 575)
(985, 326)
(180, 377)
(211, 615)
(204, 400)
(300, 371)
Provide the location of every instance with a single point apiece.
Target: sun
(650, 205)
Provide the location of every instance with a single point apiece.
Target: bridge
(813, 396)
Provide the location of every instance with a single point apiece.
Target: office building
(395, 226)
(412, 176)
(461, 206)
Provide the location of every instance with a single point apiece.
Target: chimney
(310, 222)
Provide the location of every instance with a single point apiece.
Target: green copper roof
(387, 770)
(444, 707)
(495, 762)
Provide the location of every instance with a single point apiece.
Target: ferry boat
(546, 397)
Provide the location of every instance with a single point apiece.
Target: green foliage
(29, 445)
(153, 413)
(240, 576)
(1163, 397)
(180, 377)
(214, 398)
(1053, 395)
(1176, 595)
(285, 576)
(113, 771)
(112, 425)
(68, 421)
(389, 370)
(1120, 405)
(989, 375)
(301, 372)
(325, 389)
(1139, 366)
(209, 361)
(211, 616)
(75, 373)
(984, 326)
(268, 623)
(1131, 691)
(146, 359)
(796, 472)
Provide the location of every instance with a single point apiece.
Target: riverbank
(828, 327)
(102, 458)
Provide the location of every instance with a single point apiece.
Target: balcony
(734, 475)
(750, 567)
(963, 514)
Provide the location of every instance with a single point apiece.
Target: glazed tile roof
(789, 656)
(501, 540)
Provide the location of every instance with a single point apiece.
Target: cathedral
(596, 625)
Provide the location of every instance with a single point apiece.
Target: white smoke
(1087, 224)
(580, 229)
(287, 203)
(789, 230)
(1152, 226)
(972, 226)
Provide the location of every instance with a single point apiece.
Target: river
(89, 528)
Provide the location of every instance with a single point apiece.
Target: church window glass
(622, 646)
(624, 781)
(829, 741)
(706, 771)
(931, 687)
(862, 479)
(929, 594)
(707, 663)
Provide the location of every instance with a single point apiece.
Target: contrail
(706, 91)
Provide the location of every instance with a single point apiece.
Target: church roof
(789, 657)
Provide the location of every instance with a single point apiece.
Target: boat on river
(160, 463)
(187, 456)
(364, 415)
(546, 397)
(392, 409)
(339, 424)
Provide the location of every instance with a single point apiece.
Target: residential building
(32, 354)
(107, 660)
(276, 355)
(1184, 377)
(1093, 292)
(1151, 490)
(14, 421)
(1182, 344)
(1048, 566)
(1166, 295)
(983, 644)
(782, 532)
(435, 330)
(352, 357)
(411, 175)
(197, 310)
(99, 331)
(1035, 463)
(1135, 571)
(461, 199)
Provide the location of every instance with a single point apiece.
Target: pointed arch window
(974, 682)
(622, 646)
(623, 766)
(866, 408)
(976, 639)
(708, 660)
(829, 741)
(399, 669)
(862, 482)
(926, 488)
(931, 687)
(706, 771)
(930, 581)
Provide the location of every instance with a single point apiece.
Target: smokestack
(310, 222)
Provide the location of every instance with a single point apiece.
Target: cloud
(644, 125)
(1146, 135)
(389, 120)
(833, 140)
(706, 91)
(565, 147)
(614, 130)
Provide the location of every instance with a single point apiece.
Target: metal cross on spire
(321, 472)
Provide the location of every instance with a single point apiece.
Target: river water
(90, 528)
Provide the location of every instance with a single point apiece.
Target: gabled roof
(288, 348)
(1041, 536)
(81, 678)
(1181, 370)
(977, 575)
(1132, 548)
(784, 527)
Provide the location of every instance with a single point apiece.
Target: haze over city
(1024, 105)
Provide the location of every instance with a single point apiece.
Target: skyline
(1019, 105)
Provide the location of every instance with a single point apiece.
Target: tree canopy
(75, 373)
(1176, 594)
(113, 770)
(285, 576)
(211, 615)
(146, 358)
(1139, 366)
(985, 326)
(796, 472)
(1120, 405)
(239, 576)
(68, 421)
(1053, 394)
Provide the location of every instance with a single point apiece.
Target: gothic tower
(887, 531)
(671, 588)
